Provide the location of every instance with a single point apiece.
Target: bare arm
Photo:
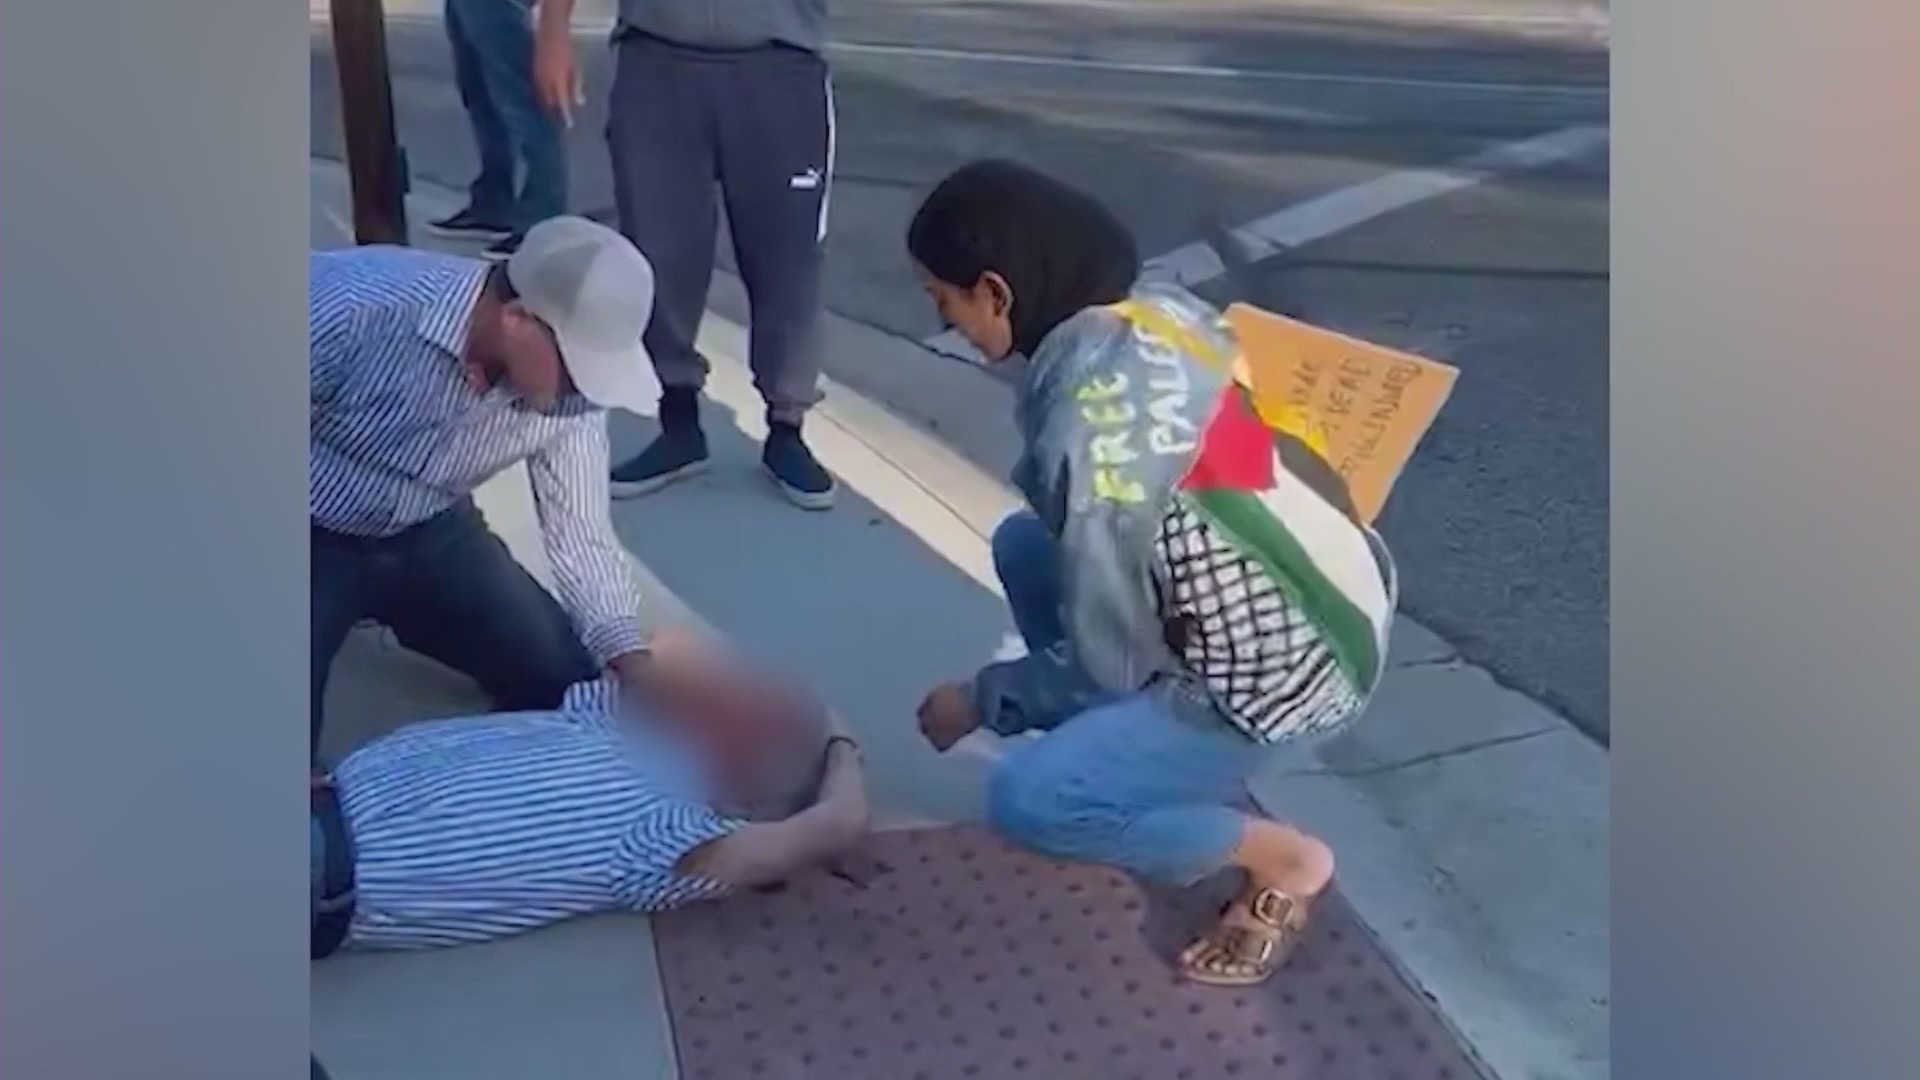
(554, 18)
(761, 853)
(555, 81)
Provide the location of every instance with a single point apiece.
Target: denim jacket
(1110, 421)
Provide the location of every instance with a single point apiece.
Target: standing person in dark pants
(431, 374)
(719, 101)
(523, 163)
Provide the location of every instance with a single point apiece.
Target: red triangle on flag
(1236, 450)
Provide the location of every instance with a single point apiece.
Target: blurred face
(981, 312)
(522, 354)
(756, 733)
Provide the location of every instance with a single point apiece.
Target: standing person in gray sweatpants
(719, 101)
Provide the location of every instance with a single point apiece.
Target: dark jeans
(317, 870)
(331, 871)
(450, 590)
(493, 67)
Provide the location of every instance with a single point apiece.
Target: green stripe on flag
(1349, 634)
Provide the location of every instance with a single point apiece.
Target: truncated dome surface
(968, 960)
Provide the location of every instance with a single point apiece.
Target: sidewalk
(1471, 824)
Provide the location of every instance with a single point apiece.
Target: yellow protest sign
(1367, 406)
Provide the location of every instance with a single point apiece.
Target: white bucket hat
(594, 289)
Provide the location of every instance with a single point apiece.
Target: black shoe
(802, 479)
(503, 249)
(680, 450)
(467, 225)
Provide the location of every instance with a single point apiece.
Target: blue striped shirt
(398, 436)
(471, 829)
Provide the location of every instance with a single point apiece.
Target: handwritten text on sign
(1371, 404)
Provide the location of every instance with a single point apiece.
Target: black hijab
(1060, 250)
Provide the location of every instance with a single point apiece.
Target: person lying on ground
(470, 829)
(431, 374)
(1193, 586)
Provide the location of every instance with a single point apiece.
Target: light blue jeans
(1126, 783)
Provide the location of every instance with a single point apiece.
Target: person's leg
(776, 137)
(660, 135)
(340, 572)
(1133, 786)
(1127, 784)
(776, 173)
(456, 594)
(501, 33)
(1027, 559)
(1287, 870)
(490, 200)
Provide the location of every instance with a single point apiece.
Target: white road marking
(1350, 206)
(1212, 71)
(599, 29)
(1303, 222)
(1586, 16)
(1324, 215)
(340, 223)
(1336, 211)
(1591, 18)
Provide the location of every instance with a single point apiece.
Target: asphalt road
(1189, 117)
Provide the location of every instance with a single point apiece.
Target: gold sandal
(1247, 951)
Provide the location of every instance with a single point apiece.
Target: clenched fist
(947, 716)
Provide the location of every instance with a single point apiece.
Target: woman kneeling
(1191, 579)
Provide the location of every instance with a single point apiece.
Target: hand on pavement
(947, 716)
(844, 787)
(857, 867)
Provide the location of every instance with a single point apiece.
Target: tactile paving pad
(968, 960)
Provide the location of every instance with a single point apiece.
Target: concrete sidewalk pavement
(1471, 823)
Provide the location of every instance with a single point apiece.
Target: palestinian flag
(1281, 508)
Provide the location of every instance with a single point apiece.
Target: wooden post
(374, 162)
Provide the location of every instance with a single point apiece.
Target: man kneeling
(464, 830)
